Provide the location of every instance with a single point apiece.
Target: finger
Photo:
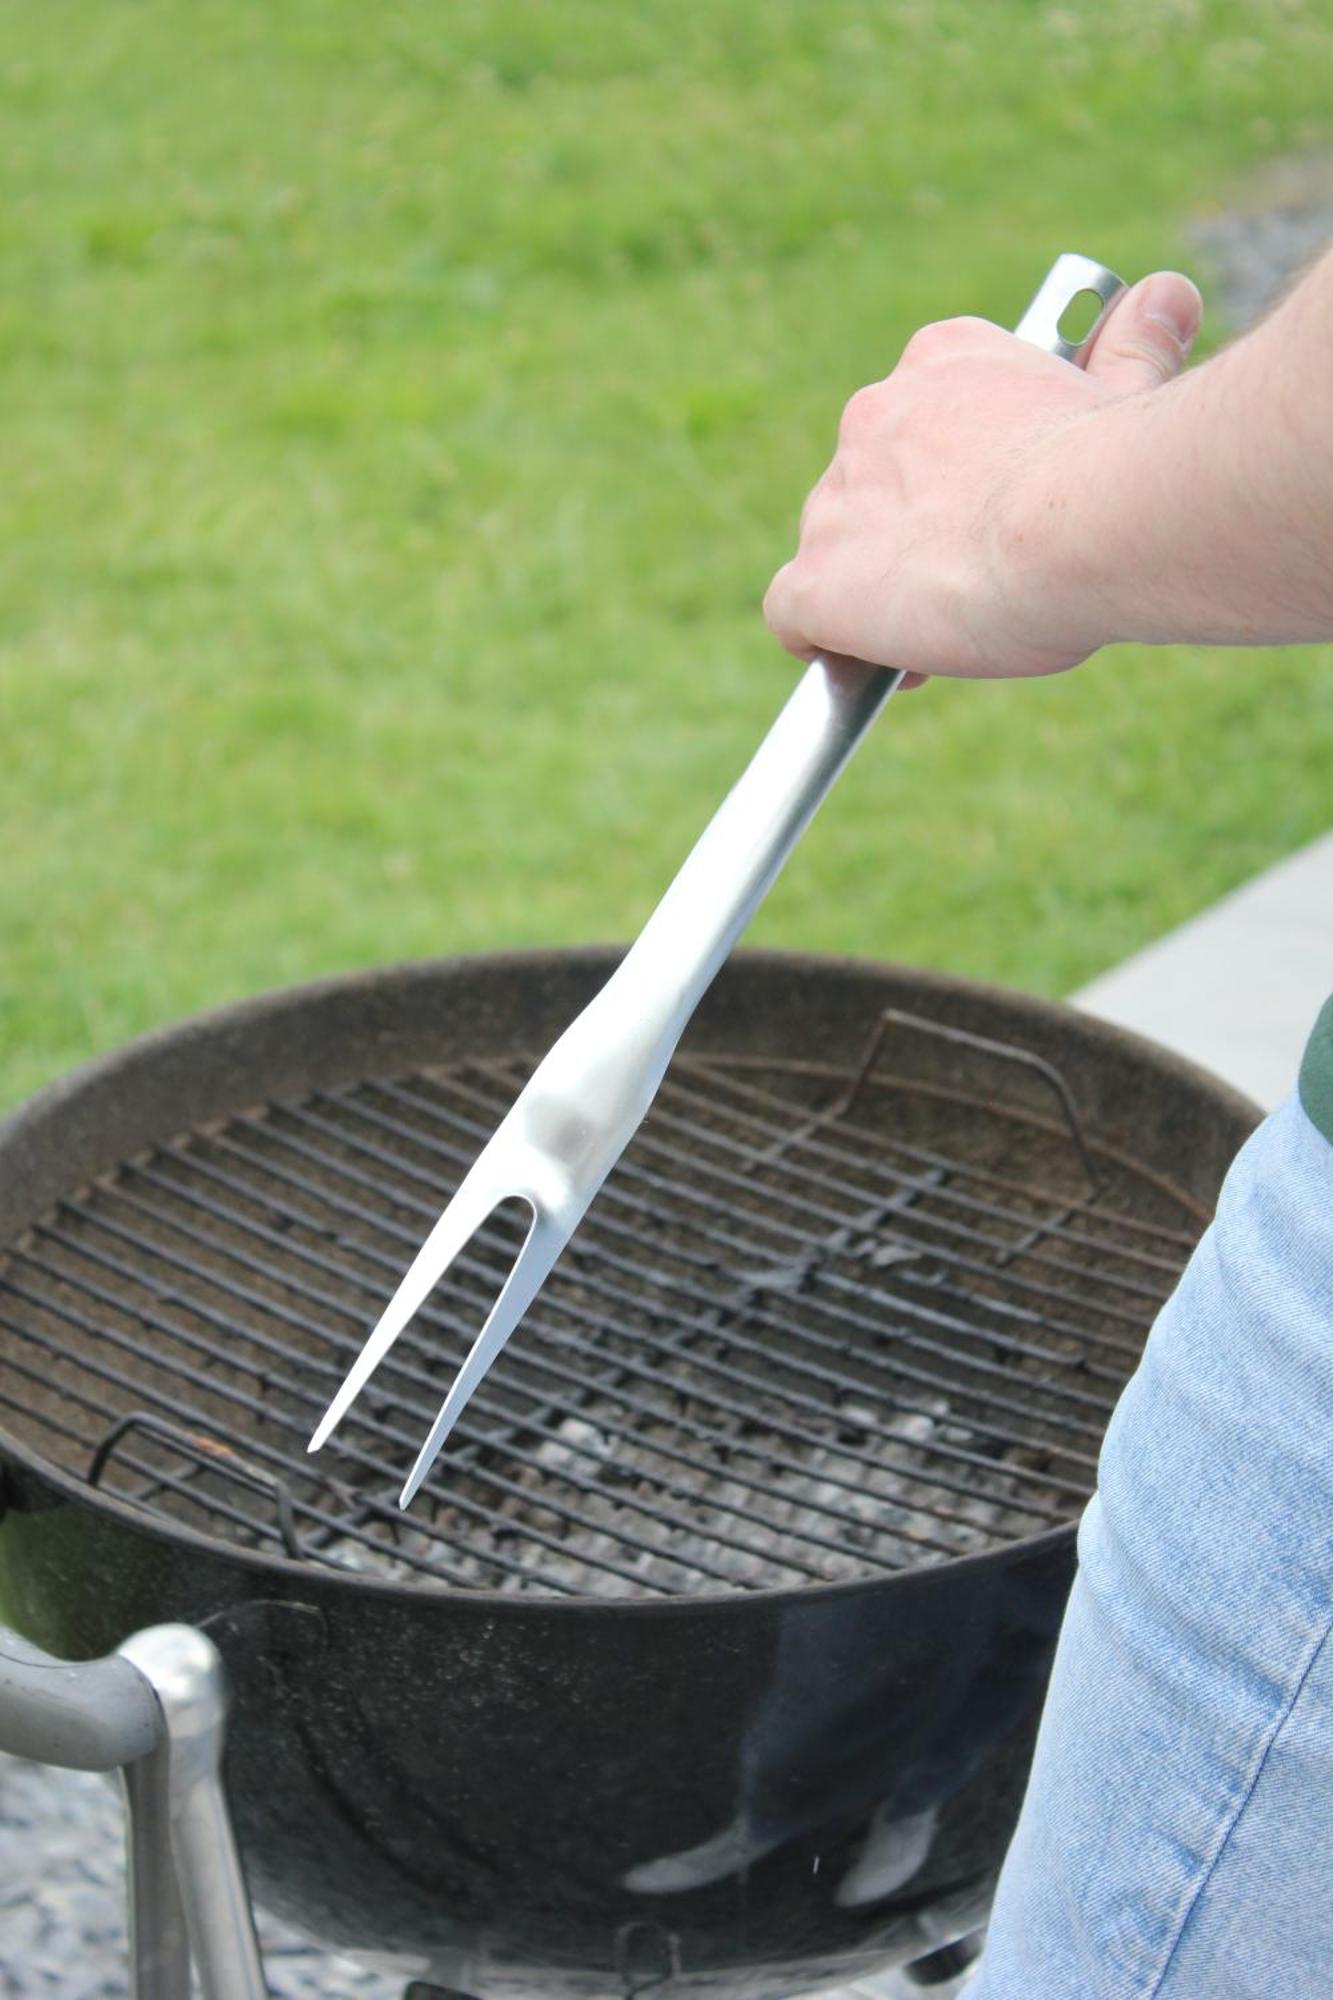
(780, 613)
(1147, 337)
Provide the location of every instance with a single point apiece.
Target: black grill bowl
(711, 1658)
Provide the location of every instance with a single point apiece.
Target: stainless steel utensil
(587, 1098)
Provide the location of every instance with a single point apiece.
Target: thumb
(1147, 337)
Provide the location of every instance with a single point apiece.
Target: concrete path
(1238, 987)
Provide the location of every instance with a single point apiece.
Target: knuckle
(859, 412)
(777, 598)
(927, 342)
(945, 336)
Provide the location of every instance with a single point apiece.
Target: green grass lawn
(404, 407)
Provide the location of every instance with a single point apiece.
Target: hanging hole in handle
(1071, 278)
(1079, 318)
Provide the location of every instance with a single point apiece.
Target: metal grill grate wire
(791, 1343)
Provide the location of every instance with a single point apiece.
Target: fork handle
(741, 852)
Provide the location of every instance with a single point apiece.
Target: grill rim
(181, 1061)
(166, 1058)
(312, 1577)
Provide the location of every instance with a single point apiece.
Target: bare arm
(991, 511)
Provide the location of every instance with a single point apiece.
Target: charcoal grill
(750, 1551)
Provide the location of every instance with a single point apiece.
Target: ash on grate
(869, 1498)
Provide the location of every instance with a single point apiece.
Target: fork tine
(465, 1214)
(542, 1245)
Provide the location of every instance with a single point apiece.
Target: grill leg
(938, 1969)
(418, 1991)
(157, 1709)
(158, 1940)
(181, 1788)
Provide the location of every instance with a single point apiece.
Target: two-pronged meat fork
(587, 1098)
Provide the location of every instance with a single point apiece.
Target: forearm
(1203, 510)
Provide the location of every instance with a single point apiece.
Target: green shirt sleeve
(1316, 1085)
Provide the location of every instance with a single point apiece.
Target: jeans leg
(1176, 1842)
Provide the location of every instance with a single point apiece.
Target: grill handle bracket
(1006, 1052)
(209, 1455)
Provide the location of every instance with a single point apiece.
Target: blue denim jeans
(1177, 1838)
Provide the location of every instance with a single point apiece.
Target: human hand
(942, 537)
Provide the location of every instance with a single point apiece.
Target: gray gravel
(62, 1901)
(1264, 234)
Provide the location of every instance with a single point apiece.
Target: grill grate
(798, 1338)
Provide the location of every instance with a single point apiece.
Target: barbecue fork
(587, 1098)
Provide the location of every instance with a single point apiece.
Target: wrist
(1174, 515)
(1054, 571)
